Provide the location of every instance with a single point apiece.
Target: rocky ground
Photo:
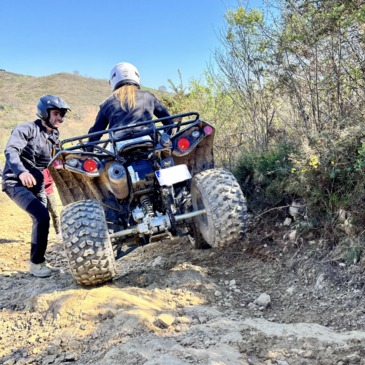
(272, 299)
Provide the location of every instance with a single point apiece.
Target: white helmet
(124, 73)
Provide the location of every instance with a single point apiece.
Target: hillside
(19, 95)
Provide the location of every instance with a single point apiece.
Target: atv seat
(128, 144)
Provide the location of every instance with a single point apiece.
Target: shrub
(329, 174)
(263, 174)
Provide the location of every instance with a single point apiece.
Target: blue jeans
(34, 202)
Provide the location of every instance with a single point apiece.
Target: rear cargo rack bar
(176, 122)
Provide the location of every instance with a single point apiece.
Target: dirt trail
(256, 303)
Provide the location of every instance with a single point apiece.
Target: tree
(244, 68)
(162, 89)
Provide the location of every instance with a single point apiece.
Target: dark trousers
(34, 202)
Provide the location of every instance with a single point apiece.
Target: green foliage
(353, 253)
(263, 175)
(360, 15)
(241, 18)
(349, 250)
(329, 174)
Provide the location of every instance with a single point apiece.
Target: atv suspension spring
(146, 204)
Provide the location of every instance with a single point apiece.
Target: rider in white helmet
(127, 103)
(122, 74)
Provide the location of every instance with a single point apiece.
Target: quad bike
(138, 184)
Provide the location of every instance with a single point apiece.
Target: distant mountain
(19, 95)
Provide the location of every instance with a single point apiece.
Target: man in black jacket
(27, 153)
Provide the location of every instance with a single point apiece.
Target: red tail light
(90, 165)
(183, 144)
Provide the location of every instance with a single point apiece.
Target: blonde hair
(127, 96)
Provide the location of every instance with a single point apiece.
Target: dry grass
(19, 95)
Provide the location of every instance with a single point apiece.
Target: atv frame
(138, 184)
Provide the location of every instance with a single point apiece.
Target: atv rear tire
(225, 222)
(87, 244)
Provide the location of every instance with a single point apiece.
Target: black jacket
(111, 113)
(29, 148)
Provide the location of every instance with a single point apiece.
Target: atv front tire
(87, 244)
(225, 222)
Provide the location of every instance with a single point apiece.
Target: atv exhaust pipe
(135, 230)
(118, 180)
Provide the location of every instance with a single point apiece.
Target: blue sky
(160, 37)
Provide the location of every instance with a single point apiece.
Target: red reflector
(208, 130)
(58, 164)
(90, 165)
(183, 144)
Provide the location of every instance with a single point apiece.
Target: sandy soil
(268, 300)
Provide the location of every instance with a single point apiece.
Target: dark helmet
(47, 102)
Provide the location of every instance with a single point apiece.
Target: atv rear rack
(114, 135)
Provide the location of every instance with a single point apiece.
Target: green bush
(329, 174)
(326, 172)
(263, 175)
